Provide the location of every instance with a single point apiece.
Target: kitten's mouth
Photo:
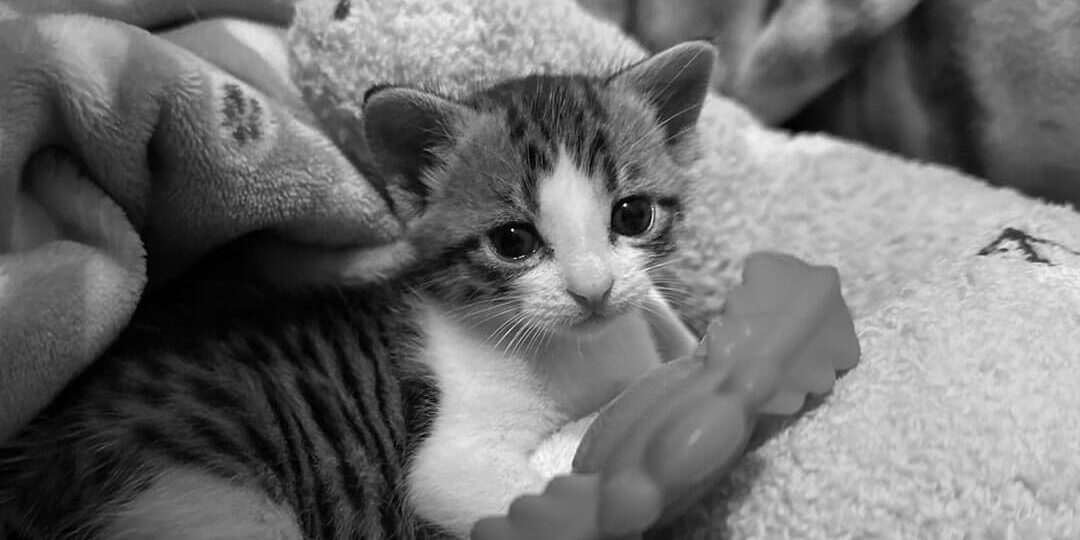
(593, 321)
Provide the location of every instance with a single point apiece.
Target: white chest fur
(496, 410)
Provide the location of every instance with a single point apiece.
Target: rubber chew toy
(662, 443)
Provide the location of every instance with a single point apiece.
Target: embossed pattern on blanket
(119, 146)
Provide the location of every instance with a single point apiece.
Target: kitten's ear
(406, 128)
(675, 81)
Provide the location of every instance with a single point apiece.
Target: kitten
(542, 211)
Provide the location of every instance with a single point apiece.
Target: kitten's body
(410, 408)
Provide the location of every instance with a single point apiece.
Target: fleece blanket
(126, 156)
(960, 420)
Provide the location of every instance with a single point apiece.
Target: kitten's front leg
(455, 485)
(555, 455)
(566, 507)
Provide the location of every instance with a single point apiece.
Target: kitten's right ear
(675, 81)
(406, 128)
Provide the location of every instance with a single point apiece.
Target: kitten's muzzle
(594, 298)
(588, 276)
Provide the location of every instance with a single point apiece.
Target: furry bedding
(959, 422)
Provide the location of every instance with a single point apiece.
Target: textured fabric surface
(126, 157)
(958, 424)
(960, 420)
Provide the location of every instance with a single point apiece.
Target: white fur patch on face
(574, 217)
(573, 220)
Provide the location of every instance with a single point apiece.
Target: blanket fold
(115, 140)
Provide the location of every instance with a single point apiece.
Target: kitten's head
(547, 200)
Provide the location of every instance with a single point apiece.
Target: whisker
(523, 344)
(492, 316)
(536, 344)
(519, 336)
(661, 287)
(488, 304)
(511, 329)
(671, 294)
(646, 306)
(663, 263)
(541, 335)
(502, 331)
(481, 307)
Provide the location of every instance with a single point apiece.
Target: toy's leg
(566, 510)
(573, 508)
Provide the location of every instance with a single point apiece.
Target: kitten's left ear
(407, 130)
(675, 81)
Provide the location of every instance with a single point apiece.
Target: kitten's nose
(592, 296)
(588, 279)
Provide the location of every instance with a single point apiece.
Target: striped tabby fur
(300, 416)
(312, 401)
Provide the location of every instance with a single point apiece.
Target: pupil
(632, 216)
(514, 241)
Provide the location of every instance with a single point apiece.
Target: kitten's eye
(514, 241)
(632, 216)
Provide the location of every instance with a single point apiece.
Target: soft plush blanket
(961, 420)
(125, 156)
(158, 132)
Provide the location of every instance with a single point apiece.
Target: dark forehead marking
(592, 102)
(600, 162)
(544, 112)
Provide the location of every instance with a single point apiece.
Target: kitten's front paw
(555, 455)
